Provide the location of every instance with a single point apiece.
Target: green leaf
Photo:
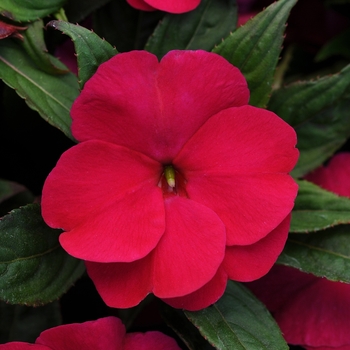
(324, 253)
(34, 44)
(339, 46)
(316, 209)
(34, 269)
(255, 48)
(238, 321)
(29, 10)
(188, 333)
(23, 323)
(51, 96)
(202, 28)
(90, 48)
(322, 124)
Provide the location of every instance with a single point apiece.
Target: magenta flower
(103, 334)
(311, 311)
(177, 184)
(172, 6)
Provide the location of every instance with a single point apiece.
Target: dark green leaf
(238, 321)
(9, 189)
(34, 269)
(125, 27)
(202, 28)
(255, 48)
(184, 328)
(23, 323)
(34, 44)
(324, 253)
(316, 209)
(29, 10)
(338, 46)
(51, 96)
(90, 48)
(322, 124)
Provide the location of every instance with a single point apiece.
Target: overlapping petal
(105, 196)
(244, 179)
(191, 249)
(23, 346)
(103, 334)
(203, 297)
(256, 260)
(152, 107)
(172, 6)
(173, 269)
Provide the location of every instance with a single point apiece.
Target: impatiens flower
(172, 6)
(176, 185)
(104, 334)
(311, 311)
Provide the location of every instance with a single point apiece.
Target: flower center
(172, 182)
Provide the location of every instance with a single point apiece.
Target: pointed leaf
(255, 48)
(90, 48)
(51, 96)
(202, 28)
(324, 253)
(316, 209)
(29, 10)
(34, 269)
(238, 321)
(322, 124)
(34, 44)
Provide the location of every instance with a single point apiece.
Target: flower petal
(243, 179)
(190, 251)
(16, 345)
(334, 176)
(149, 341)
(178, 6)
(152, 107)
(140, 5)
(107, 199)
(247, 263)
(203, 297)
(122, 285)
(104, 334)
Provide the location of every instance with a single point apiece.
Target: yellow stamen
(169, 173)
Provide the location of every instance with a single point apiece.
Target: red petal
(174, 6)
(203, 297)
(149, 341)
(154, 107)
(190, 251)
(304, 304)
(335, 176)
(107, 199)
(247, 263)
(104, 334)
(22, 346)
(140, 5)
(242, 179)
(122, 285)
